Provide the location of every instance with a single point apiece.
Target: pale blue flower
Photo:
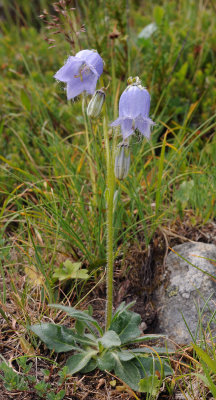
(81, 72)
(134, 106)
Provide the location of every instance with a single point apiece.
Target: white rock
(186, 288)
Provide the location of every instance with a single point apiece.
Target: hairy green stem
(109, 223)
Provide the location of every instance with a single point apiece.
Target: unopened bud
(96, 103)
(122, 161)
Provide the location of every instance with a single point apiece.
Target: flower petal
(127, 127)
(135, 100)
(144, 126)
(117, 122)
(69, 70)
(91, 58)
(87, 82)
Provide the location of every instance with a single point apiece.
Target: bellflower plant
(81, 72)
(134, 108)
(93, 346)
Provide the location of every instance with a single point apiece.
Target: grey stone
(185, 290)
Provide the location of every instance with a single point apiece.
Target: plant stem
(91, 168)
(109, 223)
(128, 37)
(113, 76)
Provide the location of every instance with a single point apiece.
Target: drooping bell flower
(134, 106)
(81, 72)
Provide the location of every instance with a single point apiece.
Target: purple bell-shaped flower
(134, 106)
(81, 72)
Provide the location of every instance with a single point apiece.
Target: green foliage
(71, 270)
(11, 379)
(106, 351)
(150, 385)
(44, 166)
(27, 382)
(209, 368)
(45, 189)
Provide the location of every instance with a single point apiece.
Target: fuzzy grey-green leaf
(106, 361)
(110, 339)
(79, 315)
(56, 337)
(126, 325)
(78, 361)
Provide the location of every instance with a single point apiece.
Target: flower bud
(122, 161)
(96, 103)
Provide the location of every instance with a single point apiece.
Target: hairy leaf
(78, 361)
(56, 337)
(79, 315)
(125, 355)
(110, 339)
(92, 364)
(128, 371)
(60, 338)
(106, 361)
(126, 325)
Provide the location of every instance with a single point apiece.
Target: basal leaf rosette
(110, 350)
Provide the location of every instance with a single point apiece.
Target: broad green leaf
(71, 270)
(106, 361)
(110, 339)
(79, 315)
(82, 274)
(126, 325)
(86, 340)
(125, 355)
(121, 308)
(60, 338)
(56, 337)
(150, 385)
(78, 361)
(92, 364)
(80, 327)
(128, 372)
(72, 267)
(91, 337)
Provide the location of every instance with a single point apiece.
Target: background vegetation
(48, 213)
